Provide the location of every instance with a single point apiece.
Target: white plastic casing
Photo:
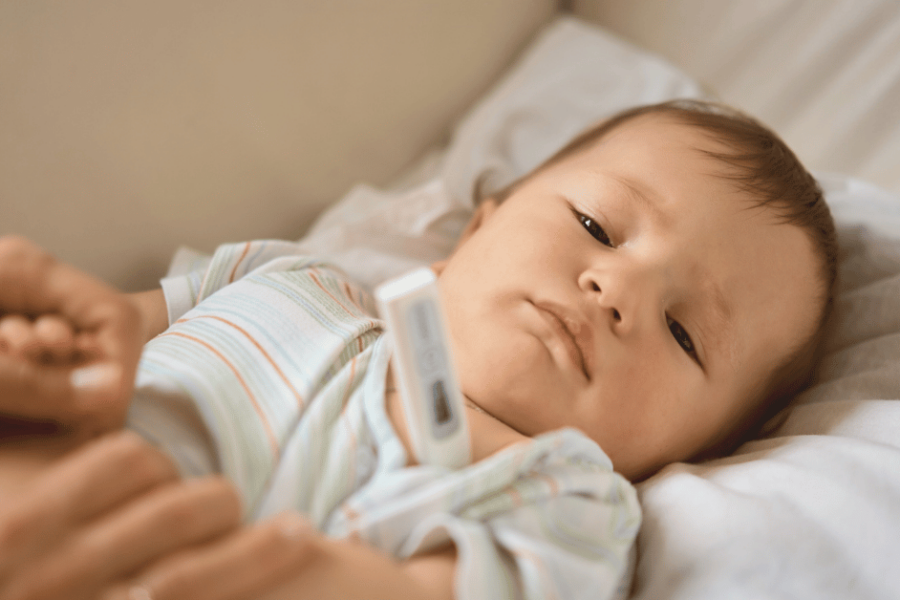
(424, 370)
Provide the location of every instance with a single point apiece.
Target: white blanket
(810, 511)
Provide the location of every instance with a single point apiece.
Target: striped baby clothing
(273, 373)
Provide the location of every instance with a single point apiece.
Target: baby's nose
(601, 291)
(621, 298)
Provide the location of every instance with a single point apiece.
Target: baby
(648, 295)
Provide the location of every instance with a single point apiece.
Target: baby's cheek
(648, 392)
(496, 365)
(516, 384)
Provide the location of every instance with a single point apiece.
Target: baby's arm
(343, 569)
(151, 305)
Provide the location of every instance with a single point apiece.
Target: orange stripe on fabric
(515, 496)
(271, 435)
(258, 347)
(243, 254)
(550, 481)
(312, 274)
(349, 294)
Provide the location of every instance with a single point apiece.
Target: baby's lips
(577, 329)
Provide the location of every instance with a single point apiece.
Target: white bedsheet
(812, 510)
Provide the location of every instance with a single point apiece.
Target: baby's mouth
(564, 326)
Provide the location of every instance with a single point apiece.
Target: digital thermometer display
(424, 367)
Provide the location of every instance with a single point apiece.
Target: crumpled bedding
(811, 509)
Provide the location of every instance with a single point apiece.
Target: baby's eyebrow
(648, 198)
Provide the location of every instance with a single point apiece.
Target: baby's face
(631, 292)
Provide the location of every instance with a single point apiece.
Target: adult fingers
(158, 523)
(57, 394)
(29, 389)
(22, 265)
(17, 335)
(245, 564)
(108, 334)
(113, 335)
(96, 478)
(48, 339)
(91, 306)
(33, 283)
(55, 338)
(105, 473)
(90, 394)
(164, 520)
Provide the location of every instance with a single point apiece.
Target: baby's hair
(759, 163)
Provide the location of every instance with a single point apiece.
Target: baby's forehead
(667, 137)
(671, 133)
(667, 152)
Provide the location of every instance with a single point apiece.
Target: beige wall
(128, 128)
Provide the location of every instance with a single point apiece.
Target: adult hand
(69, 344)
(253, 562)
(96, 516)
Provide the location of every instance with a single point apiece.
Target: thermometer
(424, 370)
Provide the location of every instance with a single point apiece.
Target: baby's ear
(481, 215)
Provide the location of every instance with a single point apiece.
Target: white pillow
(812, 510)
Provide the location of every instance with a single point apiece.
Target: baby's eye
(594, 228)
(681, 336)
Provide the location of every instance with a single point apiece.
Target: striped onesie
(273, 373)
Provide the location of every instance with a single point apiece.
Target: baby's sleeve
(229, 263)
(564, 531)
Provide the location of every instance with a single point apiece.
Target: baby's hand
(69, 344)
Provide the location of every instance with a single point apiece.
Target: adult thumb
(61, 394)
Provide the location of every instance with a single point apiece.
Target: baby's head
(661, 283)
